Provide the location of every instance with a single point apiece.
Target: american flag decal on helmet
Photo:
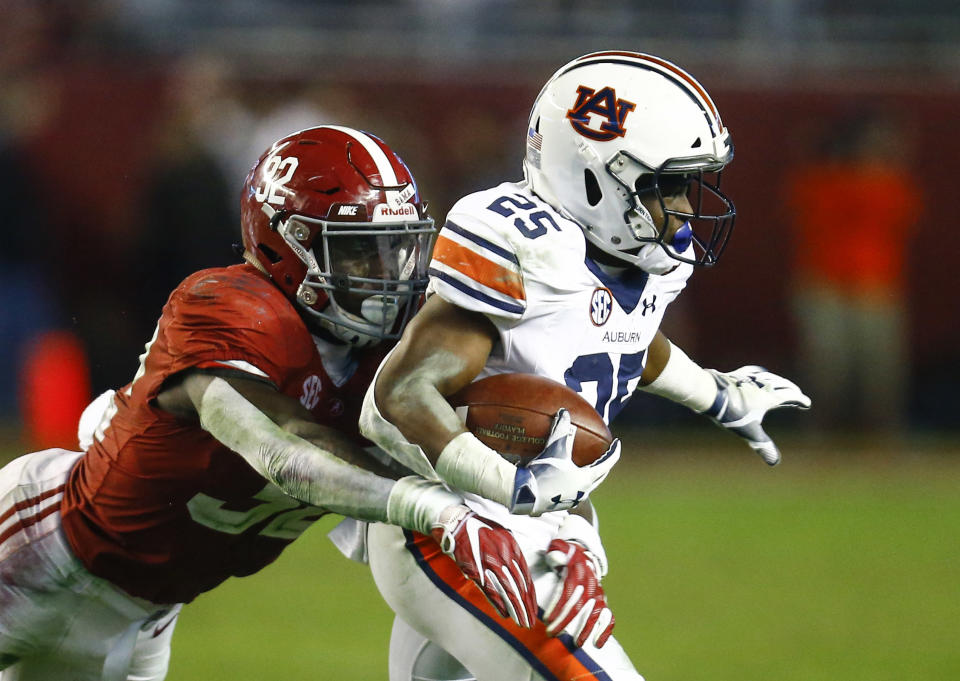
(534, 143)
(534, 139)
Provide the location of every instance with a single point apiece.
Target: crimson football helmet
(335, 218)
(612, 128)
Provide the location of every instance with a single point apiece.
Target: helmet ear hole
(594, 193)
(271, 254)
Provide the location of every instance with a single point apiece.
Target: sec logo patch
(601, 304)
(311, 392)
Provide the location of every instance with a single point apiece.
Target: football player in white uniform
(566, 275)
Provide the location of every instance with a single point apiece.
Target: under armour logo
(649, 307)
(557, 500)
(605, 104)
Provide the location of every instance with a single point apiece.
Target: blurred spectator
(187, 207)
(854, 210)
(43, 370)
(285, 107)
(26, 305)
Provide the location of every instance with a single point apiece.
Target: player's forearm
(413, 402)
(678, 378)
(312, 474)
(421, 414)
(332, 440)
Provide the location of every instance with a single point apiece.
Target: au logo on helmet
(604, 104)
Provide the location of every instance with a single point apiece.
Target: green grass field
(842, 563)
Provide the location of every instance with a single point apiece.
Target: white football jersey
(507, 254)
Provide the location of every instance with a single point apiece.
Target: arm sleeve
(299, 468)
(313, 475)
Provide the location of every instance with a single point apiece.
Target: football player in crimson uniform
(566, 275)
(238, 430)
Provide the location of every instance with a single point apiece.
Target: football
(512, 413)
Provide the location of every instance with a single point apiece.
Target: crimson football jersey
(157, 505)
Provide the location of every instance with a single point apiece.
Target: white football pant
(57, 621)
(443, 611)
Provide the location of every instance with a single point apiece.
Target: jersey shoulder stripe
(478, 296)
(484, 244)
(484, 271)
(504, 278)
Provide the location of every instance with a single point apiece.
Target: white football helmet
(611, 127)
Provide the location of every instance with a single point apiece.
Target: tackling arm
(276, 436)
(268, 428)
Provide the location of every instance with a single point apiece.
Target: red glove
(580, 596)
(488, 555)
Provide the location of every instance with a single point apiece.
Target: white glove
(743, 398)
(488, 555)
(551, 481)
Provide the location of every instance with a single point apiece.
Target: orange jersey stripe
(549, 656)
(478, 268)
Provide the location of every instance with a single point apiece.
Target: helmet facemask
(705, 230)
(364, 280)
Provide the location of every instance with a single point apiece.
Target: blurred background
(127, 127)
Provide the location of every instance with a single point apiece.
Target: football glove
(488, 555)
(551, 481)
(743, 398)
(579, 599)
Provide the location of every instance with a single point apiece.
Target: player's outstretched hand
(579, 598)
(745, 396)
(551, 481)
(487, 554)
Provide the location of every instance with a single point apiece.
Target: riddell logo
(382, 212)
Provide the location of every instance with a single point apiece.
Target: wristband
(578, 529)
(420, 505)
(684, 381)
(469, 465)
